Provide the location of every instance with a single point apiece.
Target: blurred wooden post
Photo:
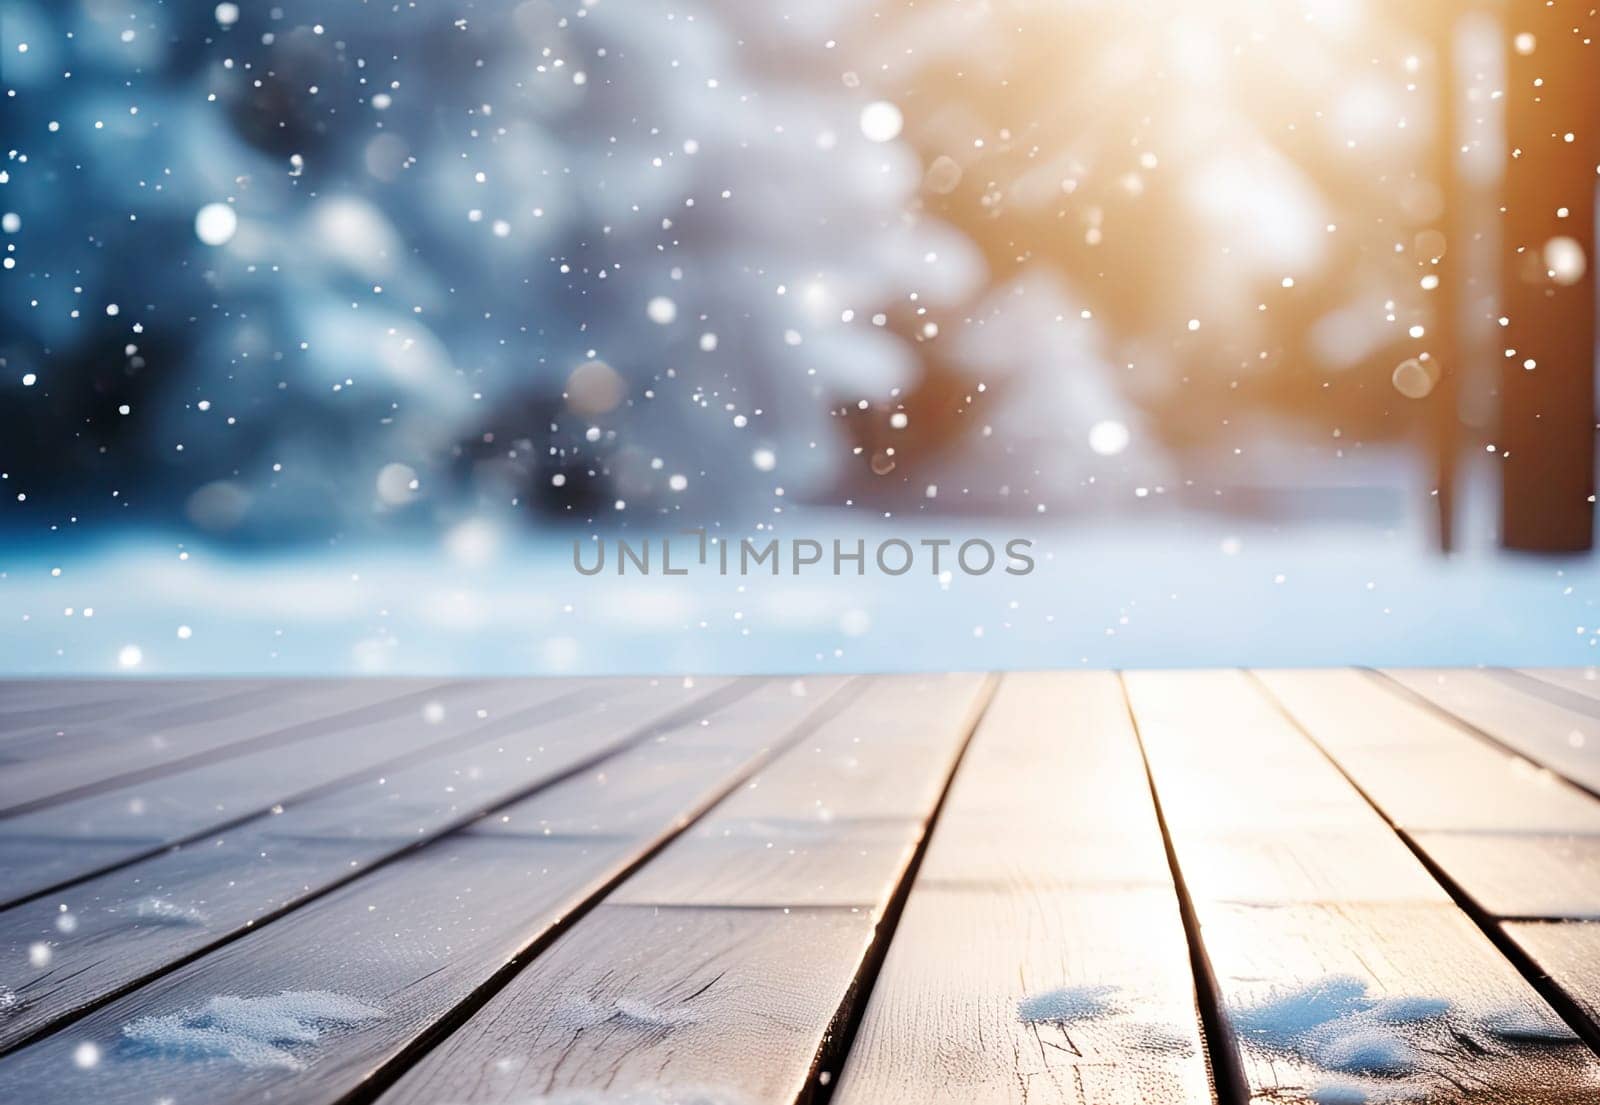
(1547, 412)
(1445, 343)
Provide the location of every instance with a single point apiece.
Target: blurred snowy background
(325, 328)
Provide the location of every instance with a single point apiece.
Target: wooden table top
(1146, 888)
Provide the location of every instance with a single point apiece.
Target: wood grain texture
(1265, 818)
(835, 820)
(1435, 1013)
(415, 938)
(1518, 839)
(1423, 771)
(1542, 875)
(471, 891)
(1564, 739)
(183, 738)
(1045, 880)
(135, 922)
(1342, 968)
(1569, 951)
(1584, 681)
(71, 840)
(666, 991)
(693, 1004)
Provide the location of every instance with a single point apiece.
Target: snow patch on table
(1068, 1003)
(1285, 1019)
(1377, 1049)
(1368, 1051)
(164, 912)
(256, 1032)
(1340, 1093)
(1519, 1025)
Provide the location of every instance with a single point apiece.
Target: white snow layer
(1339, 1093)
(1375, 1047)
(1335, 1024)
(1285, 1020)
(1367, 1051)
(1520, 1024)
(1068, 1003)
(254, 1032)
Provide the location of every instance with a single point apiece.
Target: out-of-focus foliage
(467, 256)
(314, 267)
(1239, 191)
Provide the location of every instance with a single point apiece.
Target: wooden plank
(415, 939)
(43, 692)
(79, 707)
(675, 993)
(54, 846)
(1424, 771)
(1537, 875)
(1570, 952)
(1516, 838)
(133, 923)
(25, 692)
(61, 703)
(204, 732)
(1406, 1000)
(62, 729)
(1267, 819)
(1563, 739)
(1576, 700)
(1584, 681)
(834, 822)
(1342, 969)
(1045, 884)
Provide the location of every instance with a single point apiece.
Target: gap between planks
(1303, 893)
(384, 1076)
(1569, 1008)
(764, 723)
(637, 734)
(836, 1044)
(1562, 764)
(559, 706)
(1228, 1080)
(631, 950)
(211, 751)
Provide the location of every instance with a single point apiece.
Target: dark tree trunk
(1444, 422)
(1547, 412)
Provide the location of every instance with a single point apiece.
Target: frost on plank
(161, 911)
(579, 1013)
(260, 1032)
(1067, 1003)
(1112, 1013)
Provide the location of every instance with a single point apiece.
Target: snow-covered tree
(313, 266)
